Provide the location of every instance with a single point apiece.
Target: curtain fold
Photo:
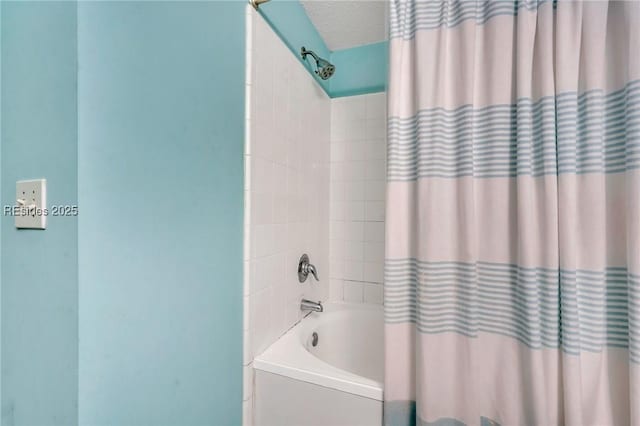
(512, 272)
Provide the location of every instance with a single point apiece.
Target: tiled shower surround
(358, 155)
(315, 184)
(286, 192)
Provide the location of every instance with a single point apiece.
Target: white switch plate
(32, 195)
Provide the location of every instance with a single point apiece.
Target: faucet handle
(305, 268)
(312, 269)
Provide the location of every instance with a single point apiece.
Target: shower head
(324, 68)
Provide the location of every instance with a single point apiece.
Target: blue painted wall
(290, 21)
(0, 218)
(161, 115)
(132, 313)
(39, 270)
(360, 70)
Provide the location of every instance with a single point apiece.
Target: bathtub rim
(288, 357)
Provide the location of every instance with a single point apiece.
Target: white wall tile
(246, 325)
(247, 377)
(354, 250)
(277, 317)
(337, 268)
(338, 151)
(375, 149)
(337, 249)
(354, 191)
(353, 292)
(375, 170)
(247, 412)
(261, 208)
(374, 210)
(261, 175)
(280, 237)
(260, 321)
(374, 190)
(375, 127)
(338, 210)
(374, 231)
(280, 208)
(337, 192)
(353, 270)
(338, 229)
(373, 293)
(331, 206)
(353, 231)
(338, 172)
(354, 211)
(279, 176)
(373, 272)
(355, 171)
(247, 353)
(262, 240)
(376, 106)
(374, 251)
(288, 207)
(358, 186)
(336, 290)
(354, 150)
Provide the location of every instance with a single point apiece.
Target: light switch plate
(31, 198)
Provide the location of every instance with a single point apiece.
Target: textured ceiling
(348, 23)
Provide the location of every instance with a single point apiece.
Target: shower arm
(304, 52)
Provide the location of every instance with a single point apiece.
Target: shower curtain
(512, 272)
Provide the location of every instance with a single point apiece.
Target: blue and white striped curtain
(512, 276)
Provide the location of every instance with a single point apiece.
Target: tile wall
(314, 183)
(357, 205)
(286, 191)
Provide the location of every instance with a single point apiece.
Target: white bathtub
(337, 382)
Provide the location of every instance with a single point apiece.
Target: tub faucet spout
(308, 305)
